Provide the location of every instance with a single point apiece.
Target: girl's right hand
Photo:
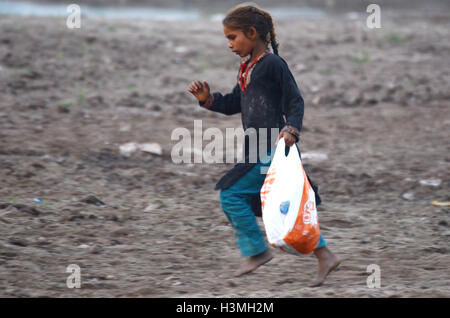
(199, 90)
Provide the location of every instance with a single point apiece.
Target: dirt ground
(377, 105)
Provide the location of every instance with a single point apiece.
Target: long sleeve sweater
(268, 97)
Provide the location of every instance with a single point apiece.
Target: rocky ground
(377, 113)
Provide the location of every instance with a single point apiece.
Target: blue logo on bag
(284, 207)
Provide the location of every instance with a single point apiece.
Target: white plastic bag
(288, 204)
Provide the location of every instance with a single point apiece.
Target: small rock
(96, 249)
(128, 148)
(120, 232)
(222, 228)
(93, 200)
(408, 196)
(155, 107)
(314, 156)
(153, 148)
(83, 246)
(18, 241)
(431, 182)
(93, 281)
(42, 241)
(37, 165)
(151, 207)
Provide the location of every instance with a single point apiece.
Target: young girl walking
(265, 91)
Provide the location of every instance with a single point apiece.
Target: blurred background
(188, 9)
(86, 169)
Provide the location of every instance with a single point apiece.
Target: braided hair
(248, 15)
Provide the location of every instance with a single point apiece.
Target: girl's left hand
(289, 139)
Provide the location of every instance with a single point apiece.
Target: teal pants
(236, 203)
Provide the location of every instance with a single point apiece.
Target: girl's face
(238, 42)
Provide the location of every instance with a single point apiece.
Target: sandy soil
(377, 104)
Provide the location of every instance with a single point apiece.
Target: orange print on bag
(267, 186)
(305, 234)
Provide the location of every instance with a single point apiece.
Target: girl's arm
(228, 104)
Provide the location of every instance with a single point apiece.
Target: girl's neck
(257, 51)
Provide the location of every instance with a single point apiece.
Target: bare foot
(253, 262)
(327, 263)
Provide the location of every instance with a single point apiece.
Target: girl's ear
(252, 33)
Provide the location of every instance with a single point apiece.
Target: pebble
(314, 156)
(408, 196)
(153, 148)
(42, 240)
(131, 147)
(93, 281)
(128, 148)
(151, 207)
(96, 249)
(18, 241)
(93, 200)
(120, 232)
(431, 182)
(223, 228)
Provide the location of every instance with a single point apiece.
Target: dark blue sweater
(271, 93)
